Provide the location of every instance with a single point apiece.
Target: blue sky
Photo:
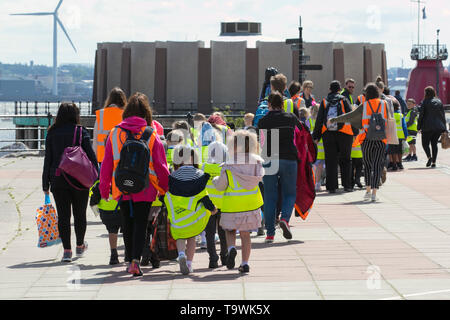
(392, 22)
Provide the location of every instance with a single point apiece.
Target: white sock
(189, 263)
(244, 263)
(181, 253)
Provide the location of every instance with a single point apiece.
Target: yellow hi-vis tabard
(187, 215)
(238, 199)
(213, 170)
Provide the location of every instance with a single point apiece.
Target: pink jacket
(134, 124)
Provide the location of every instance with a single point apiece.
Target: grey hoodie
(247, 174)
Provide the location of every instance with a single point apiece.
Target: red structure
(425, 73)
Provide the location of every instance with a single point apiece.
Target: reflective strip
(189, 224)
(174, 221)
(191, 200)
(115, 145)
(101, 143)
(233, 184)
(101, 115)
(215, 195)
(248, 193)
(356, 148)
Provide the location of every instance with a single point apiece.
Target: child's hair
(217, 152)
(294, 88)
(184, 155)
(275, 100)
(243, 141)
(303, 112)
(411, 100)
(175, 137)
(396, 105)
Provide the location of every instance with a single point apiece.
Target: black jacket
(286, 123)
(322, 115)
(58, 139)
(432, 116)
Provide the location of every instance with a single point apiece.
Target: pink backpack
(75, 163)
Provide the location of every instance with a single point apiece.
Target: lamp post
(437, 63)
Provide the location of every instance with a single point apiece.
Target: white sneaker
(183, 265)
(374, 198)
(367, 196)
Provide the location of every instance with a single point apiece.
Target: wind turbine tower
(56, 21)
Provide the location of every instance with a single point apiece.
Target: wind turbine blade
(59, 5)
(33, 14)
(67, 35)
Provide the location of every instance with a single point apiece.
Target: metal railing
(39, 131)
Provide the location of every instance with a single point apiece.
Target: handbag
(445, 140)
(391, 127)
(47, 224)
(75, 163)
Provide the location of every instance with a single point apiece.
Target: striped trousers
(373, 158)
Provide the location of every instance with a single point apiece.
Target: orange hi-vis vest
(297, 100)
(367, 113)
(361, 99)
(107, 118)
(346, 128)
(117, 138)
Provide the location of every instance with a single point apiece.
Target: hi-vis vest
(237, 199)
(320, 149)
(288, 105)
(361, 99)
(188, 217)
(118, 137)
(356, 148)
(297, 100)
(412, 127)
(351, 98)
(107, 119)
(214, 170)
(346, 128)
(104, 205)
(169, 156)
(367, 113)
(398, 124)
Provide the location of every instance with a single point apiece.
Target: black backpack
(377, 125)
(163, 245)
(132, 173)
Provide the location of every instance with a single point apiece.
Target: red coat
(307, 153)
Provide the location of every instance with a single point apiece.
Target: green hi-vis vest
(213, 169)
(412, 127)
(288, 105)
(169, 156)
(237, 199)
(320, 150)
(398, 124)
(357, 152)
(109, 205)
(188, 217)
(195, 134)
(204, 154)
(351, 98)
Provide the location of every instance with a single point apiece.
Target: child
(242, 200)
(395, 151)
(357, 162)
(304, 116)
(217, 155)
(174, 138)
(319, 165)
(411, 125)
(188, 204)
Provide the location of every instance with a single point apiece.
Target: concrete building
(182, 76)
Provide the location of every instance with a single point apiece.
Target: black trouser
(134, 228)
(210, 233)
(68, 201)
(357, 164)
(338, 148)
(431, 137)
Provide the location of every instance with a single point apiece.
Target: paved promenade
(398, 248)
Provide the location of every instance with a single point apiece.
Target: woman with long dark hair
(432, 123)
(67, 197)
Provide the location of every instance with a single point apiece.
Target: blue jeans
(287, 176)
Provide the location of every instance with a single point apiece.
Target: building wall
(354, 64)
(228, 73)
(143, 68)
(113, 65)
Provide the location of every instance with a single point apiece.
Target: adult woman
(134, 208)
(67, 198)
(373, 150)
(432, 123)
(306, 94)
(106, 119)
(281, 164)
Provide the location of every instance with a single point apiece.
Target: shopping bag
(445, 140)
(47, 224)
(405, 147)
(391, 128)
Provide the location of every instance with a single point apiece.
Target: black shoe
(429, 162)
(145, 261)
(332, 191)
(230, 259)
(400, 166)
(155, 262)
(394, 167)
(348, 189)
(213, 264)
(114, 259)
(260, 232)
(284, 225)
(390, 165)
(407, 158)
(223, 260)
(414, 158)
(433, 165)
(359, 185)
(244, 269)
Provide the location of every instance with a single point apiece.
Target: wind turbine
(56, 21)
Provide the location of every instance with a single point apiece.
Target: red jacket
(307, 153)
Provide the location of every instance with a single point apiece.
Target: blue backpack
(261, 111)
